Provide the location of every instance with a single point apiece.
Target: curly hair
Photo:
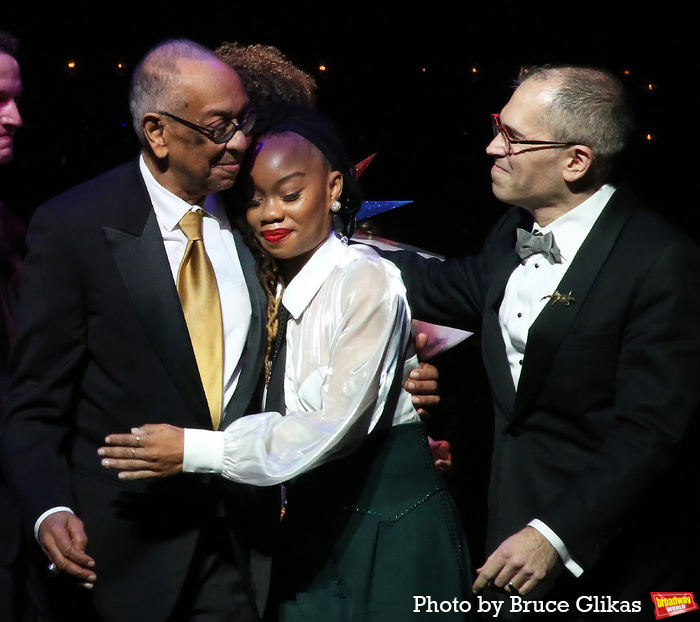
(267, 75)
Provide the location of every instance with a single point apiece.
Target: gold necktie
(199, 295)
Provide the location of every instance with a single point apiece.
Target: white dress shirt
(348, 338)
(526, 295)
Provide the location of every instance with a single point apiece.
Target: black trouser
(214, 590)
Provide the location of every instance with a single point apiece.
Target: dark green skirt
(373, 536)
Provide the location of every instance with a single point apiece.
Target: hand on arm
(422, 383)
(152, 450)
(423, 387)
(62, 537)
(523, 560)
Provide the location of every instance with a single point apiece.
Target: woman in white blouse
(369, 527)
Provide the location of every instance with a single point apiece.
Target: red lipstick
(275, 236)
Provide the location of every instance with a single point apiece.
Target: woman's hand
(152, 450)
(423, 381)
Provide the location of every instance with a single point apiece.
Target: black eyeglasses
(221, 133)
(508, 142)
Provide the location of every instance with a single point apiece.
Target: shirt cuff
(203, 451)
(557, 543)
(40, 520)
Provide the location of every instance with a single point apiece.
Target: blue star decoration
(372, 208)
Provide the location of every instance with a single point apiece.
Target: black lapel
(555, 320)
(494, 349)
(144, 268)
(252, 368)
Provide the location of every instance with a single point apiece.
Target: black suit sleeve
(453, 292)
(446, 293)
(48, 350)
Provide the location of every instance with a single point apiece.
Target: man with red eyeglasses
(588, 307)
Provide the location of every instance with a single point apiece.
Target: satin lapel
(493, 347)
(252, 369)
(144, 268)
(555, 320)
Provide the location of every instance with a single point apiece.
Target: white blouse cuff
(203, 451)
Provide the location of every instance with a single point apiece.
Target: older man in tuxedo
(103, 344)
(591, 341)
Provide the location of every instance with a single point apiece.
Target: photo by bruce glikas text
(516, 604)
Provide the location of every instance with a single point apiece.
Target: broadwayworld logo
(667, 604)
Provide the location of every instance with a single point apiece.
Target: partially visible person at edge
(12, 576)
(368, 523)
(591, 340)
(104, 343)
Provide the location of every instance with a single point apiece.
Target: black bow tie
(532, 243)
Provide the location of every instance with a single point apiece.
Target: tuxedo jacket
(595, 440)
(102, 347)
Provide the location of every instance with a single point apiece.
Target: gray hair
(590, 107)
(153, 82)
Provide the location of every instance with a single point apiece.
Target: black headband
(309, 124)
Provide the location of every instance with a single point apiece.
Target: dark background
(400, 83)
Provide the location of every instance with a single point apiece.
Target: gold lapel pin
(557, 297)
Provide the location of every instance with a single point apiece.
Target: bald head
(155, 84)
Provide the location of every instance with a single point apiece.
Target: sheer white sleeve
(343, 355)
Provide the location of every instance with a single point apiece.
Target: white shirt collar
(303, 287)
(170, 208)
(571, 229)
